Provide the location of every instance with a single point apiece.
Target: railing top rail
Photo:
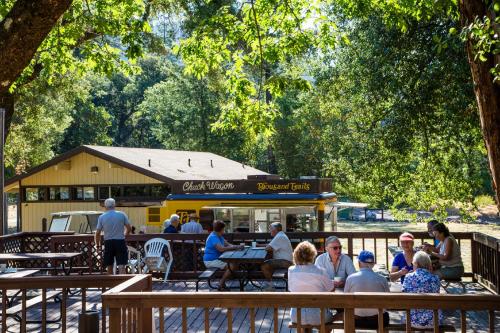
(71, 281)
(341, 234)
(487, 240)
(348, 300)
(138, 281)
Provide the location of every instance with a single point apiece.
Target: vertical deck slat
(229, 320)
(322, 328)
(130, 313)
(207, 321)
(4, 310)
(299, 320)
(84, 300)
(161, 311)
(114, 320)
(275, 320)
(23, 312)
(375, 248)
(381, 320)
(44, 310)
(349, 326)
(63, 314)
(103, 313)
(492, 320)
(252, 320)
(435, 318)
(408, 321)
(184, 319)
(463, 321)
(387, 253)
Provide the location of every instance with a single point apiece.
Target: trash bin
(88, 322)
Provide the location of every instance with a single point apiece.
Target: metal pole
(3, 215)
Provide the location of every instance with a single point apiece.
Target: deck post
(3, 215)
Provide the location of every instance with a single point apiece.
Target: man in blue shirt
(171, 225)
(115, 226)
(215, 245)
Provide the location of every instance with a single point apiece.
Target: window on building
(115, 191)
(59, 193)
(35, 193)
(136, 191)
(159, 191)
(103, 192)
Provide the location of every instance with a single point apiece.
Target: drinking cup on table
(254, 244)
(3, 268)
(337, 279)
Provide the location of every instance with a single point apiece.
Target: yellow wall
(32, 213)
(79, 174)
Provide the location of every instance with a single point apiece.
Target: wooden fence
(65, 283)
(123, 307)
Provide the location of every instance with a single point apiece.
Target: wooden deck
(477, 321)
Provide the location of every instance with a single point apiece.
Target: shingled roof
(162, 164)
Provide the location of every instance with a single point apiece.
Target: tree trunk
(487, 93)
(21, 32)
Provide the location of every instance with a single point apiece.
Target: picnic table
(245, 259)
(63, 257)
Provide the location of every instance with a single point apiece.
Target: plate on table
(9, 270)
(258, 248)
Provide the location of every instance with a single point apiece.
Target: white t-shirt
(282, 248)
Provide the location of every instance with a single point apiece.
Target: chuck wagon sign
(253, 186)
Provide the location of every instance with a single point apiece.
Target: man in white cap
(366, 280)
(192, 227)
(115, 226)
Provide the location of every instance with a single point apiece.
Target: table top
(19, 274)
(248, 255)
(39, 255)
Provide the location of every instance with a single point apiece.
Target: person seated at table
(421, 281)
(307, 277)
(281, 252)
(215, 245)
(448, 253)
(172, 224)
(337, 265)
(431, 247)
(366, 280)
(402, 263)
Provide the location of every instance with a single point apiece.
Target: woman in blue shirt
(403, 262)
(215, 245)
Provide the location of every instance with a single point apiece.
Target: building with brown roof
(136, 177)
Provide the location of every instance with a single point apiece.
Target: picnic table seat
(389, 328)
(16, 311)
(206, 275)
(209, 274)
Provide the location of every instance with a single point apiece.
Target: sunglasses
(335, 247)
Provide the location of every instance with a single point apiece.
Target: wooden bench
(206, 275)
(389, 328)
(16, 311)
(446, 282)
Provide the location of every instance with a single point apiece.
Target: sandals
(223, 288)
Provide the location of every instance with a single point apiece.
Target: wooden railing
(486, 261)
(122, 304)
(65, 283)
(189, 246)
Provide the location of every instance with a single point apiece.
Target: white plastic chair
(154, 260)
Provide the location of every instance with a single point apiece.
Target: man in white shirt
(281, 251)
(192, 227)
(366, 280)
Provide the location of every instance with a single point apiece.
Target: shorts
(278, 263)
(115, 248)
(215, 264)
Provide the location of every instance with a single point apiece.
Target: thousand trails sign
(253, 186)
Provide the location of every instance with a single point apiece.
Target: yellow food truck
(300, 205)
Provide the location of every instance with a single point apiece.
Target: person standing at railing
(448, 253)
(366, 280)
(193, 226)
(337, 265)
(214, 247)
(421, 281)
(307, 277)
(115, 226)
(402, 263)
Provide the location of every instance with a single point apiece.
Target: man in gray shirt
(366, 280)
(192, 227)
(115, 226)
(337, 265)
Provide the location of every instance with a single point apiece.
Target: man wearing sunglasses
(337, 265)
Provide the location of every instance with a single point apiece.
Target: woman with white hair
(421, 281)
